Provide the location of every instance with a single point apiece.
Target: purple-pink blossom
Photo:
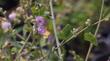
(5, 25)
(12, 16)
(50, 38)
(41, 30)
(40, 21)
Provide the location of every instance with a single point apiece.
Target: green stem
(54, 28)
(91, 45)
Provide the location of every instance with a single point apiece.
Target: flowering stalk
(55, 31)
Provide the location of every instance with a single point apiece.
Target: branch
(91, 45)
(54, 28)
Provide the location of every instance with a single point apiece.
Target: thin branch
(97, 29)
(25, 43)
(21, 37)
(54, 28)
(73, 36)
(18, 54)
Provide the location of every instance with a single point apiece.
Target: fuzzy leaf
(65, 33)
(90, 37)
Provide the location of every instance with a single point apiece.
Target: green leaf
(50, 25)
(34, 10)
(42, 42)
(38, 11)
(90, 37)
(65, 33)
(53, 57)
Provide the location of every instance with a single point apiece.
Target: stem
(54, 28)
(25, 43)
(91, 45)
(73, 36)
(18, 54)
(21, 37)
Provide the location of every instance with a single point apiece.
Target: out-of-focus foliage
(27, 40)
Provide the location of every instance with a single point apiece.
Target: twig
(20, 36)
(73, 36)
(91, 45)
(18, 54)
(54, 28)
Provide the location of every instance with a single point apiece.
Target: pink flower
(50, 38)
(12, 16)
(5, 26)
(40, 20)
(41, 30)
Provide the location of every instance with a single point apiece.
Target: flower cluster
(6, 23)
(41, 29)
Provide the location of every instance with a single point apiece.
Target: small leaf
(90, 37)
(65, 33)
(42, 42)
